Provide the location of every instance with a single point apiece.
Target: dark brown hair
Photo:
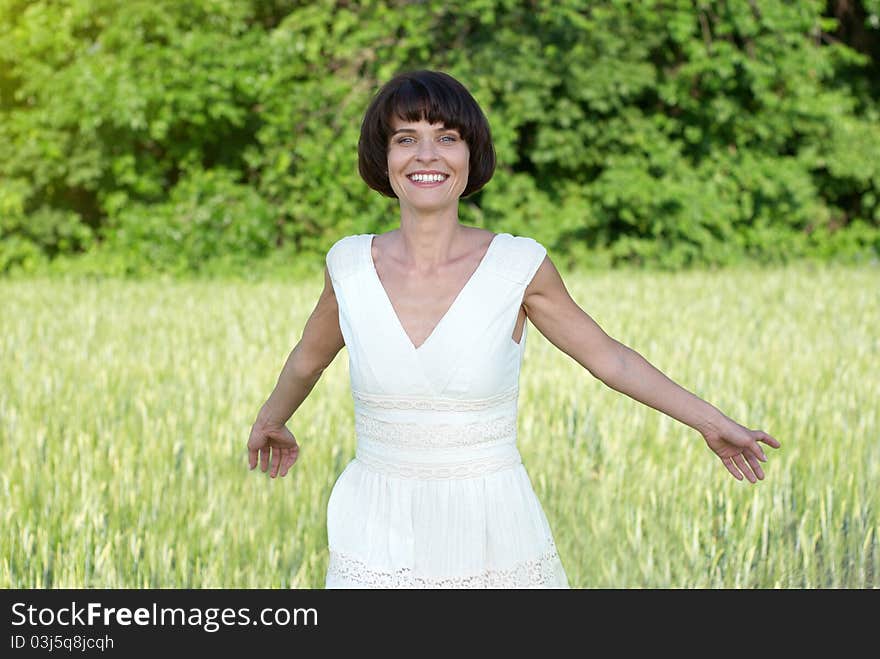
(437, 98)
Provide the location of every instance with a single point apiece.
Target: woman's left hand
(737, 446)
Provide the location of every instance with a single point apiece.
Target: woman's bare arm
(552, 310)
(320, 343)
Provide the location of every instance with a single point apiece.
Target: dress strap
(344, 257)
(517, 259)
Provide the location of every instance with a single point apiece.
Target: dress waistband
(433, 403)
(439, 463)
(434, 435)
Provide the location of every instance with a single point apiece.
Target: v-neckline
(448, 311)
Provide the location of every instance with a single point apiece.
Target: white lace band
(432, 403)
(545, 571)
(437, 435)
(434, 467)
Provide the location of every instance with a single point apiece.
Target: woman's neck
(429, 239)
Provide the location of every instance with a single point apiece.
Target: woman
(433, 315)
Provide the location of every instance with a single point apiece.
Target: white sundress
(437, 495)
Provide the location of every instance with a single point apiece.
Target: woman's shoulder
(517, 257)
(345, 255)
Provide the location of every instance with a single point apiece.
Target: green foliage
(656, 133)
(208, 216)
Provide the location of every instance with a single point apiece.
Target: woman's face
(427, 164)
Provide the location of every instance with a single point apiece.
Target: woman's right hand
(266, 437)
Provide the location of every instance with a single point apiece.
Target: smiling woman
(419, 109)
(434, 318)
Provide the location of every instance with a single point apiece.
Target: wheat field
(125, 408)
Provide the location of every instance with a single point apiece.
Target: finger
(264, 458)
(732, 468)
(757, 451)
(276, 461)
(253, 449)
(741, 463)
(767, 439)
(756, 466)
(290, 458)
(282, 463)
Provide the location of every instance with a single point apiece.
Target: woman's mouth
(427, 179)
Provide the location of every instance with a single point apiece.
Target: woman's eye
(448, 139)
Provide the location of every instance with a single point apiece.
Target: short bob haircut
(437, 98)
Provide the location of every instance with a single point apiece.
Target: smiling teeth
(428, 178)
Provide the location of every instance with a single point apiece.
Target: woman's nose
(427, 150)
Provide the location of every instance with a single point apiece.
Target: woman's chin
(424, 204)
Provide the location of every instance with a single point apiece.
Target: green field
(125, 409)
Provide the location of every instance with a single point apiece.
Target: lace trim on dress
(440, 471)
(433, 403)
(415, 435)
(544, 571)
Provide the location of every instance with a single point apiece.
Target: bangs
(414, 101)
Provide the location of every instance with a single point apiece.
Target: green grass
(125, 409)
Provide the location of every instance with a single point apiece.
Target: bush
(166, 136)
